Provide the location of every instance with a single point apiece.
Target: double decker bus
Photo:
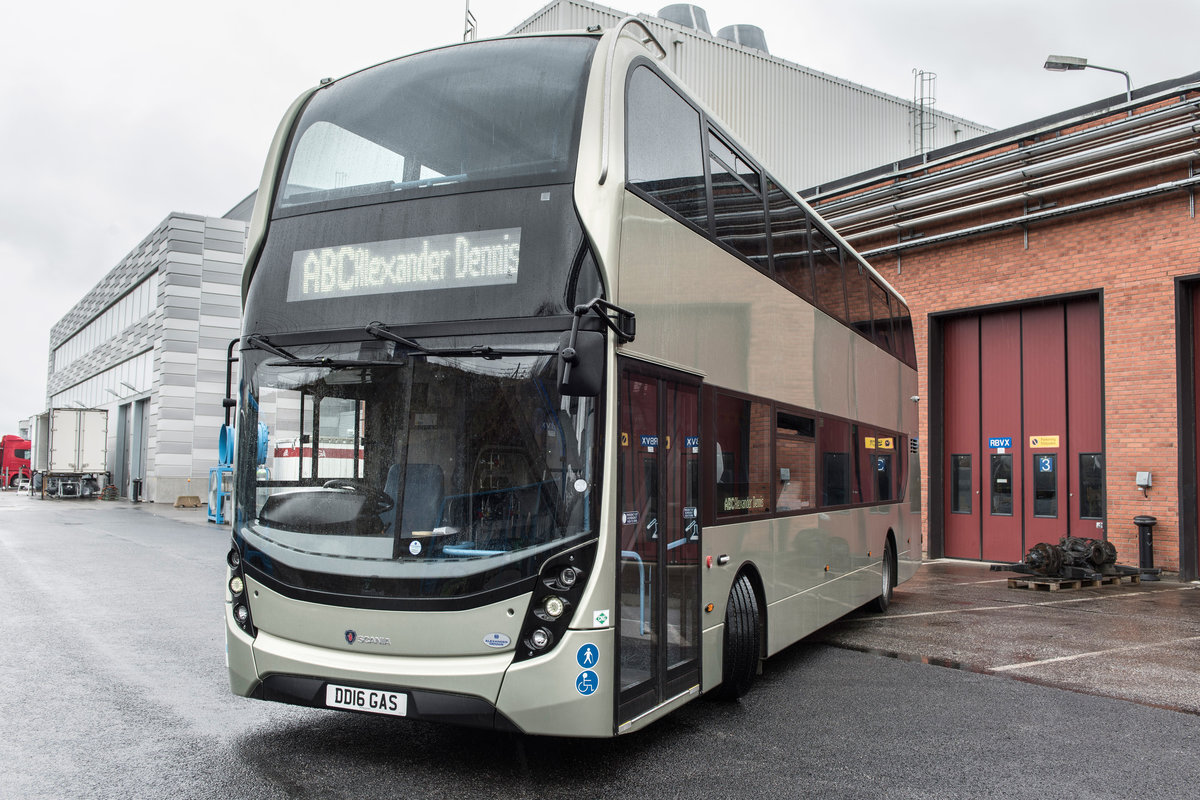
(617, 416)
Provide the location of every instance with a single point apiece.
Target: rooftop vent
(686, 14)
(745, 35)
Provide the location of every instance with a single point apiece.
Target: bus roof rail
(612, 49)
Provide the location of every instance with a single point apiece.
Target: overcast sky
(114, 114)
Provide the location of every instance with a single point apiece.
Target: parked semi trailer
(70, 449)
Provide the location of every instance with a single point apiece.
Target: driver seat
(423, 493)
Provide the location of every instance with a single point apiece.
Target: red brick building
(1053, 272)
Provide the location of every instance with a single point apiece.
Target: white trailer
(70, 451)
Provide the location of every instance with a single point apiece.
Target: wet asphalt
(113, 685)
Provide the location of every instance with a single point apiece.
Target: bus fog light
(236, 585)
(540, 639)
(234, 559)
(554, 606)
(241, 614)
(568, 576)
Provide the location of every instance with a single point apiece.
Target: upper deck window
(664, 150)
(503, 113)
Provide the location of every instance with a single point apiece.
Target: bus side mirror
(581, 367)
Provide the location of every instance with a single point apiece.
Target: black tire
(742, 634)
(887, 581)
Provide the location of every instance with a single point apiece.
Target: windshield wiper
(258, 342)
(380, 331)
(335, 363)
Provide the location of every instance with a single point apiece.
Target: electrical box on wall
(1143, 480)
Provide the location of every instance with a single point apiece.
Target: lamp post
(1065, 63)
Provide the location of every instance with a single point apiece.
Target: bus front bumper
(538, 696)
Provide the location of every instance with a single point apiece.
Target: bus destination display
(448, 261)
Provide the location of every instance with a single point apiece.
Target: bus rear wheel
(742, 632)
(887, 568)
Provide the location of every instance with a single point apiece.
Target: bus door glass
(659, 534)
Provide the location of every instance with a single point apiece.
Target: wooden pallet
(1043, 584)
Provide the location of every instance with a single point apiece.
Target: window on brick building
(960, 483)
(1091, 485)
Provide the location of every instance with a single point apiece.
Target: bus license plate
(373, 701)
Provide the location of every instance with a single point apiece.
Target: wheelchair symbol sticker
(587, 683)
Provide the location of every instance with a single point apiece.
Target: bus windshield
(504, 112)
(391, 472)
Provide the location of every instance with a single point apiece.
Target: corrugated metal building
(148, 343)
(807, 127)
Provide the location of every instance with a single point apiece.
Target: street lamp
(1065, 63)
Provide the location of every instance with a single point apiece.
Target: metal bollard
(1145, 525)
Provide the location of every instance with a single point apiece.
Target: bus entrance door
(659, 533)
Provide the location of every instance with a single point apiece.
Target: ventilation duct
(686, 14)
(745, 35)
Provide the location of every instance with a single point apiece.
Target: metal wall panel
(806, 127)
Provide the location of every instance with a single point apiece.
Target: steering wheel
(382, 501)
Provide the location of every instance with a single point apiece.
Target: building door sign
(1000, 443)
(1043, 441)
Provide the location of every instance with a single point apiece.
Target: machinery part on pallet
(1073, 557)
(1081, 552)
(1044, 559)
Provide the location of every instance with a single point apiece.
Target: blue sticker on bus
(587, 655)
(587, 683)
(1000, 441)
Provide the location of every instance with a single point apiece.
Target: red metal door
(1044, 406)
(1000, 415)
(962, 439)
(1085, 413)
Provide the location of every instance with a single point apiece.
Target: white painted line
(1027, 664)
(1064, 601)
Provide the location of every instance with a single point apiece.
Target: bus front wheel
(742, 632)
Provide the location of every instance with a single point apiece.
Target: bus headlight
(540, 639)
(237, 591)
(554, 606)
(555, 602)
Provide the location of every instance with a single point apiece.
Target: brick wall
(1131, 254)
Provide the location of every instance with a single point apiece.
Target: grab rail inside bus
(612, 49)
